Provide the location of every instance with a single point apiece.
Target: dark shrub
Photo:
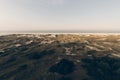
(65, 78)
(38, 55)
(91, 52)
(34, 56)
(104, 68)
(64, 67)
(22, 67)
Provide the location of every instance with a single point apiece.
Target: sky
(38, 15)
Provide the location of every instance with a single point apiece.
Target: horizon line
(62, 31)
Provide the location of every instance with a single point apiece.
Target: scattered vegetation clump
(38, 55)
(11, 59)
(104, 68)
(22, 67)
(64, 67)
(65, 78)
(91, 52)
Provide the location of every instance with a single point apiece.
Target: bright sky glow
(22, 15)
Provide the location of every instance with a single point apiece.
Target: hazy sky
(60, 15)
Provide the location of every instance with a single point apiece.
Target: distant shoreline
(84, 33)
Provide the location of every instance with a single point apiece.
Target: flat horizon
(61, 31)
